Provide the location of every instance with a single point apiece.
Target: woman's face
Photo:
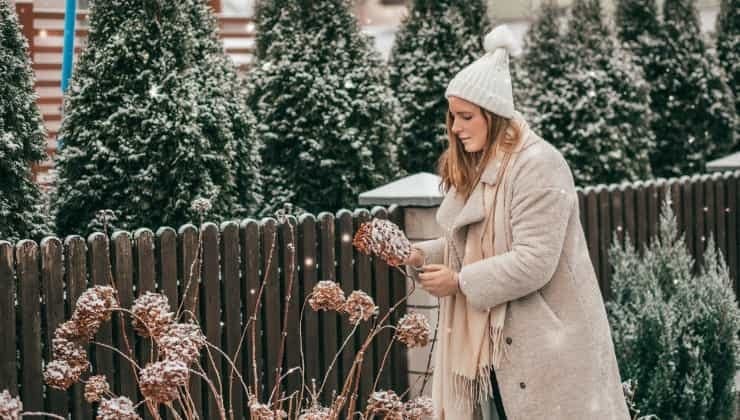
(469, 125)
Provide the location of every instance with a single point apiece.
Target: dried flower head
(120, 408)
(158, 381)
(69, 330)
(95, 388)
(60, 375)
(383, 238)
(10, 407)
(360, 306)
(152, 314)
(70, 352)
(413, 330)
(93, 308)
(385, 404)
(201, 205)
(419, 408)
(315, 413)
(259, 411)
(327, 296)
(182, 341)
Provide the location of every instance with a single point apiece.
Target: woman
(523, 332)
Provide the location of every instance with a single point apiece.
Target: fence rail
(39, 284)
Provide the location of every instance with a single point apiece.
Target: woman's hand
(415, 259)
(438, 280)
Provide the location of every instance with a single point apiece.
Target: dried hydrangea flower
(69, 330)
(359, 306)
(259, 411)
(385, 404)
(120, 408)
(95, 388)
(413, 330)
(158, 381)
(201, 205)
(327, 296)
(70, 352)
(60, 375)
(383, 238)
(93, 308)
(152, 314)
(182, 341)
(10, 407)
(316, 413)
(419, 408)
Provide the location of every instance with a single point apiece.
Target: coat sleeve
(433, 249)
(543, 199)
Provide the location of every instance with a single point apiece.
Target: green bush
(675, 332)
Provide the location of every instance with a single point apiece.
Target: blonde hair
(463, 170)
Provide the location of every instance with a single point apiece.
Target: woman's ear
(509, 139)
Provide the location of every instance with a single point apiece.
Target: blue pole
(70, 17)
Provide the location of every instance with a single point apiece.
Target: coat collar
(455, 212)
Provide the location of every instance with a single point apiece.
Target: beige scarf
(471, 341)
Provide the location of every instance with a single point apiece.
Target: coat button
(522, 385)
(508, 340)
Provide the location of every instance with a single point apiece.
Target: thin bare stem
(191, 274)
(336, 356)
(115, 350)
(214, 391)
(382, 364)
(231, 363)
(42, 414)
(284, 329)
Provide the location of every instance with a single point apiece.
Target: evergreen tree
(154, 119)
(22, 136)
(436, 40)
(587, 97)
(728, 51)
(323, 107)
(675, 332)
(694, 113)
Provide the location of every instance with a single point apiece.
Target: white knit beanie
(487, 82)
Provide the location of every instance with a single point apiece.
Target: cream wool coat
(561, 362)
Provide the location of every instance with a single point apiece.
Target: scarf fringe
(472, 391)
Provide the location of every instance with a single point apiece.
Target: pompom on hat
(487, 82)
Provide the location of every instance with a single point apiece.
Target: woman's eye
(467, 117)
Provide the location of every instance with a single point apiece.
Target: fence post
(419, 197)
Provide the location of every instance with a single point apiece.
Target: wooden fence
(704, 205)
(39, 284)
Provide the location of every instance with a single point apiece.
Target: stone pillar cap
(418, 190)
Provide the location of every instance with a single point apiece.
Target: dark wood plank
(249, 230)
(52, 283)
(641, 215)
(145, 281)
(330, 319)
(700, 239)
(630, 220)
(674, 186)
(189, 278)
(399, 365)
(166, 257)
(382, 299)
(307, 244)
(709, 209)
(76, 279)
(592, 203)
(582, 209)
(210, 310)
(29, 282)
(8, 365)
(271, 301)
(100, 273)
(653, 210)
(291, 294)
(731, 208)
(363, 271)
(720, 215)
(123, 334)
(687, 210)
(232, 310)
(605, 233)
(346, 277)
(617, 213)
